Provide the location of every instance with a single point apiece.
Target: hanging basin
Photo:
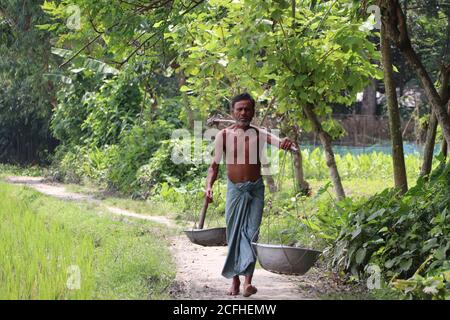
(285, 259)
(208, 237)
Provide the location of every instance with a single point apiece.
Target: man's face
(243, 112)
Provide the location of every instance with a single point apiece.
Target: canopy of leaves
(26, 95)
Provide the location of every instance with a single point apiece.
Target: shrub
(162, 169)
(402, 235)
(136, 147)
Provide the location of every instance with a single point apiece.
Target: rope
(280, 177)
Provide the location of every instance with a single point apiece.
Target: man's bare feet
(234, 289)
(249, 290)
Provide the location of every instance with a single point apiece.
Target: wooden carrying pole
(201, 221)
(213, 121)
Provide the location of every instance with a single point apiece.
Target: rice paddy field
(52, 249)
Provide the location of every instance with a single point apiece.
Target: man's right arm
(213, 169)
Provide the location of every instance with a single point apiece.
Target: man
(242, 146)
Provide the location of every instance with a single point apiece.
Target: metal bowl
(208, 237)
(285, 259)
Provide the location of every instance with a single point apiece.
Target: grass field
(48, 245)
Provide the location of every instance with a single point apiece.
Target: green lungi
(243, 213)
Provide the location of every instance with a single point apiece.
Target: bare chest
(241, 147)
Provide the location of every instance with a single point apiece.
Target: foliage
(112, 110)
(162, 169)
(315, 55)
(72, 109)
(26, 95)
(330, 216)
(398, 234)
(106, 128)
(136, 147)
(112, 165)
(94, 109)
(435, 287)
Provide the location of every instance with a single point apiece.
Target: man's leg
(249, 289)
(234, 289)
(255, 218)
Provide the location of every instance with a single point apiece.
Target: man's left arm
(285, 143)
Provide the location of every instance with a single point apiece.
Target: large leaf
(92, 64)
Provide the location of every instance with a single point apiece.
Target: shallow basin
(285, 259)
(208, 237)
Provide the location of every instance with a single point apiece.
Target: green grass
(41, 237)
(36, 256)
(13, 170)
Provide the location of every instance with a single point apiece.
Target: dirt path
(199, 276)
(58, 190)
(199, 268)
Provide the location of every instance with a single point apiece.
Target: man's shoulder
(226, 130)
(221, 131)
(232, 128)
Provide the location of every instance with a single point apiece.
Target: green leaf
(388, 264)
(446, 275)
(383, 230)
(77, 70)
(93, 64)
(405, 265)
(184, 88)
(376, 214)
(276, 15)
(360, 255)
(356, 232)
(440, 252)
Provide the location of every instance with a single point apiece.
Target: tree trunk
(431, 133)
(271, 183)
(369, 102)
(394, 115)
(329, 154)
(189, 112)
(396, 27)
(429, 145)
(302, 184)
(444, 146)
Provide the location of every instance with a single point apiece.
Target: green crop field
(56, 250)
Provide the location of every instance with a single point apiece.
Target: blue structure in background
(409, 148)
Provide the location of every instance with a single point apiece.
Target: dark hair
(242, 97)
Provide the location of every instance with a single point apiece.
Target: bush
(79, 163)
(136, 147)
(403, 236)
(429, 287)
(162, 169)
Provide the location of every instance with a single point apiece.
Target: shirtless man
(241, 145)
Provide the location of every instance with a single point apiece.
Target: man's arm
(285, 143)
(213, 169)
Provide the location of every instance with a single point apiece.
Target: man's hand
(286, 144)
(209, 195)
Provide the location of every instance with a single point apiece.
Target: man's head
(243, 109)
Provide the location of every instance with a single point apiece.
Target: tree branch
(79, 51)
